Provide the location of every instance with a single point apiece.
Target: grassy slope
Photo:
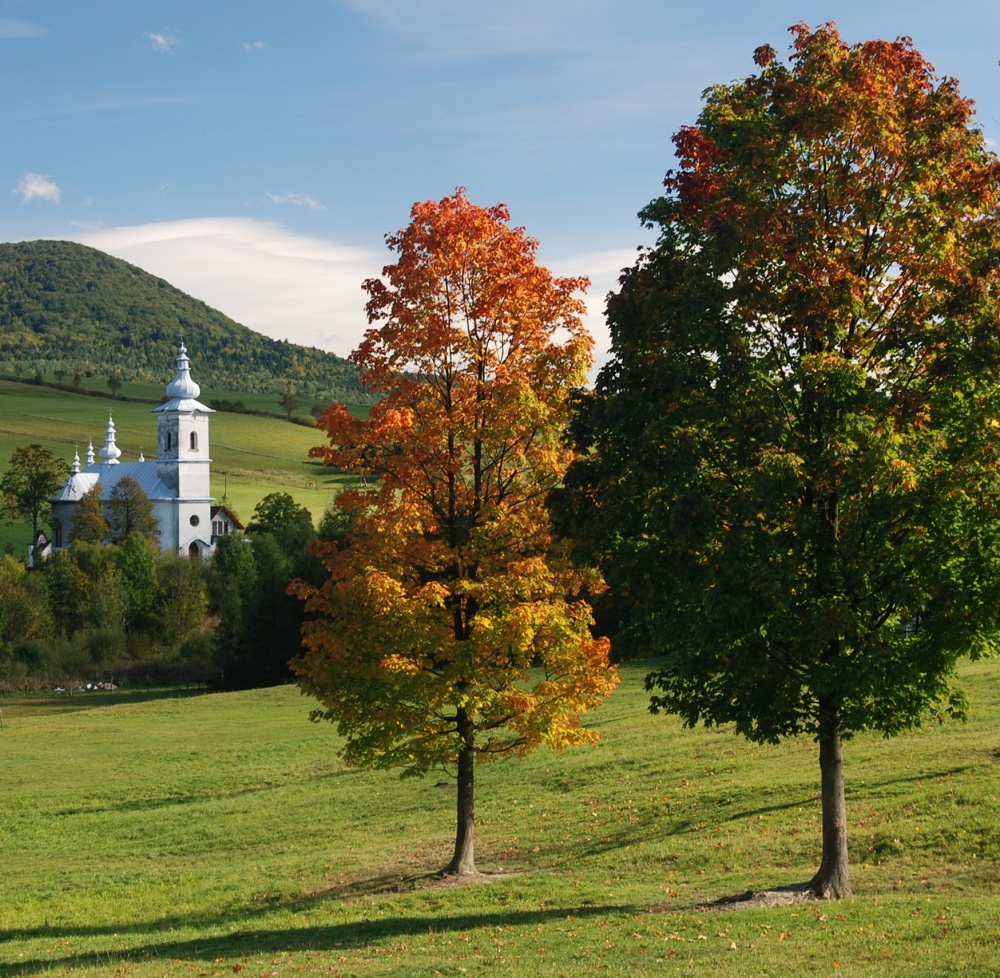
(252, 456)
(218, 834)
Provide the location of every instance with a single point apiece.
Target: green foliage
(90, 525)
(289, 403)
(260, 624)
(796, 442)
(135, 561)
(182, 601)
(291, 526)
(278, 513)
(65, 307)
(130, 511)
(24, 612)
(33, 475)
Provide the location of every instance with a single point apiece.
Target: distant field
(220, 835)
(252, 456)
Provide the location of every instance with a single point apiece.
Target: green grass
(251, 456)
(220, 834)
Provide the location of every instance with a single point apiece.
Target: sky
(255, 154)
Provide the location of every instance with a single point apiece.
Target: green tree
(136, 561)
(260, 627)
(114, 385)
(33, 475)
(796, 446)
(89, 522)
(289, 403)
(69, 591)
(232, 580)
(182, 603)
(272, 618)
(24, 608)
(290, 523)
(130, 511)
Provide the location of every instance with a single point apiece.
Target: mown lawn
(220, 834)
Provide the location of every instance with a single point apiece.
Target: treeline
(132, 615)
(68, 308)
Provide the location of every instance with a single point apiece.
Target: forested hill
(67, 307)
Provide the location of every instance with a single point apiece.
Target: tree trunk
(831, 882)
(463, 862)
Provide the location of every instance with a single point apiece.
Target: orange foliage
(450, 618)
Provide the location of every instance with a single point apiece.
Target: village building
(224, 523)
(176, 481)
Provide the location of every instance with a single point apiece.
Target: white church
(176, 481)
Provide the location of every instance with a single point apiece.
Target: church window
(194, 520)
(168, 441)
(194, 441)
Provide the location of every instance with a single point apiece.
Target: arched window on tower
(194, 441)
(168, 441)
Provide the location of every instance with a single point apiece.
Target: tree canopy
(90, 523)
(795, 444)
(33, 475)
(130, 511)
(451, 629)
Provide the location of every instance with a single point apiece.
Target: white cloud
(37, 186)
(299, 200)
(282, 284)
(162, 40)
(253, 47)
(603, 269)
(19, 28)
(296, 287)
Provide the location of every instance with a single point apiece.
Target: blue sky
(255, 154)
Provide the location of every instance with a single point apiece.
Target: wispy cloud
(298, 200)
(19, 28)
(298, 287)
(282, 284)
(37, 186)
(163, 40)
(253, 47)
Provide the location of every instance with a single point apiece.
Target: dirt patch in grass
(402, 882)
(444, 880)
(783, 896)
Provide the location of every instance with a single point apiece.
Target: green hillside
(69, 308)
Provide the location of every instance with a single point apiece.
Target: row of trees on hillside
(788, 470)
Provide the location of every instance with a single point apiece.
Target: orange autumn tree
(451, 629)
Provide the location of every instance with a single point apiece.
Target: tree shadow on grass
(318, 938)
(355, 890)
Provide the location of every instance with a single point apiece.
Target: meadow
(251, 455)
(196, 834)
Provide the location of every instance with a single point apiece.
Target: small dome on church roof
(183, 385)
(182, 391)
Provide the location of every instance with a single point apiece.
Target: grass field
(219, 834)
(251, 456)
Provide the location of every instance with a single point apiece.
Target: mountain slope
(64, 306)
